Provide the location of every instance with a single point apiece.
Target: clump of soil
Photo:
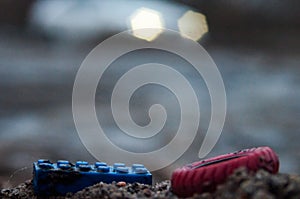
(259, 185)
(241, 184)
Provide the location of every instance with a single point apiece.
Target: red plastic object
(205, 175)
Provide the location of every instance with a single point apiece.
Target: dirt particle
(147, 192)
(121, 184)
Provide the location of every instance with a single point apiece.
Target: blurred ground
(259, 65)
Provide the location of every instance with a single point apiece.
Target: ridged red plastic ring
(205, 175)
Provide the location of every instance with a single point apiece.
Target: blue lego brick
(63, 177)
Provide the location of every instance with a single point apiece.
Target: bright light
(146, 24)
(192, 25)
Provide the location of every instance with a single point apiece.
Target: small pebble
(121, 184)
(147, 192)
(263, 194)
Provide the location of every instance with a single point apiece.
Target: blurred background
(255, 44)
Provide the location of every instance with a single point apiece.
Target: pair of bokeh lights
(148, 24)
